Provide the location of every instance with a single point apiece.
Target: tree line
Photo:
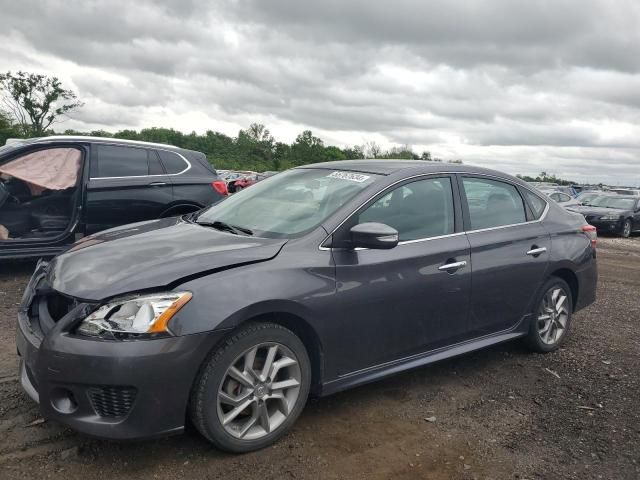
(547, 178)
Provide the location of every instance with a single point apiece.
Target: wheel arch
(180, 209)
(571, 279)
(305, 332)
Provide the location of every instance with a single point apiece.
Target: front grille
(112, 401)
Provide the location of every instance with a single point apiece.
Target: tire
(268, 412)
(540, 339)
(626, 229)
(238, 188)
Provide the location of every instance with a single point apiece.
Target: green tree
(353, 153)
(35, 101)
(307, 149)
(7, 128)
(404, 153)
(372, 149)
(259, 133)
(545, 177)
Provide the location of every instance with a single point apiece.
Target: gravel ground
(499, 413)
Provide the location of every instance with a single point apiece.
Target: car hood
(587, 210)
(149, 255)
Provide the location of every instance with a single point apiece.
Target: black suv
(54, 190)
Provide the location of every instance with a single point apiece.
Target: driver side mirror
(374, 235)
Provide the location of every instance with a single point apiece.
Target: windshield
(613, 202)
(288, 204)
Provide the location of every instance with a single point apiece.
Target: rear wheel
(626, 228)
(252, 389)
(551, 318)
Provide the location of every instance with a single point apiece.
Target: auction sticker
(354, 177)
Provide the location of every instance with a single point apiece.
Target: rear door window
(492, 203)
(117, 161)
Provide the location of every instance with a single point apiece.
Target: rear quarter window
(173, 163)
(536, 204)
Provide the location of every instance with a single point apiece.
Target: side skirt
(377, 372)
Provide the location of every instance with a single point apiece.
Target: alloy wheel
(258, 391)
(626, 229)
(553, 315)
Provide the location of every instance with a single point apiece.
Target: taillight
(592, 233)
(220, 187)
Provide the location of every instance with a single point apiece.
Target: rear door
(509, 251)
(127, 184)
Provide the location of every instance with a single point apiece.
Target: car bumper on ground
(111, 389)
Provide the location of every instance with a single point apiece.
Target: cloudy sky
(522, 86)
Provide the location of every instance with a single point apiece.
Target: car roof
(88, 139)
(390, 166)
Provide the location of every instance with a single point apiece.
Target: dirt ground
(501, 413)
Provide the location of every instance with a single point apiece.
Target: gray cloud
(521, 86)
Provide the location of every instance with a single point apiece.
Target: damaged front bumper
(104, 388)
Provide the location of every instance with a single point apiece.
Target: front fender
(226, 299)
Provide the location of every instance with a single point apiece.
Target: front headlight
(610, 217)
(141, 316)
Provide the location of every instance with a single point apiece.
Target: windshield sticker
(354, 177)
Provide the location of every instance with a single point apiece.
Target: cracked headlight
(143, 316)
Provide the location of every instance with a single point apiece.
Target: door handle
(453, 266)
(157, 184)
(534, 252)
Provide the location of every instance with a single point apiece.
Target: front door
(401, 302)
(126, 185)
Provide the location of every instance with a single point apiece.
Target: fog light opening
(63, 400)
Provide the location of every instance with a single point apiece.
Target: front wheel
(252, 389)
(551, 317)
(626, 228)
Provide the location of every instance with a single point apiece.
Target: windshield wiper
(218, 225)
